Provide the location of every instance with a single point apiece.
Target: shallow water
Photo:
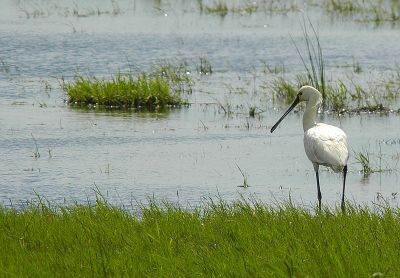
(182, 154)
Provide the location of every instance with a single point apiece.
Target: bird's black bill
(296, 101)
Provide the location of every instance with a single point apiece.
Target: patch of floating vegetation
(363, 11)
(163, 86)
(360, 11)
(122, 91)
(379, 108)
(249, 7)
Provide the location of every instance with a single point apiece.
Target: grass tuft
(219, 8)
(163, 86)
(121, 91)
(362, 157)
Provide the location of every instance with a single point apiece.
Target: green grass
(38, 9)
(221, 8)
(121, 91)
(344, 95)
(314, 64)
(161, 239)
(285, 90)
(377, 11)
(162, 86)
(376, 162)
(362, 157)
(279, 68)
(341, 96)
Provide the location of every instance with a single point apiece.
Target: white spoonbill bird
(324, 144)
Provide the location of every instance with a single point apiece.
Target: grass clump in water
(121, 92)
(163, 86)
(340, 97)
(377, 11)
(161, 239)
(247, 7)
(362, 157)
(219, 8)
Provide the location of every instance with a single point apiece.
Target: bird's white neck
(310, 114)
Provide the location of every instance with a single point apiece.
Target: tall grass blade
(316, 69)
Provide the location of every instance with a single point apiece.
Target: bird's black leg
(344, 185)
(319, 191)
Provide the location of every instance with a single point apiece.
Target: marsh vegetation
(199, 57)
(164, 85)
(376, 11)
(245, 238)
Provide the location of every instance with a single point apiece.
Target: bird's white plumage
(326, 145)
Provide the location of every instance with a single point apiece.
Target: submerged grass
(161, 239)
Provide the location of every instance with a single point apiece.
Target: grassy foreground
(241, 239)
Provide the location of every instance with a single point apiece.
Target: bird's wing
(327, 145)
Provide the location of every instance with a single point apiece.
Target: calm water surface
(182, 154)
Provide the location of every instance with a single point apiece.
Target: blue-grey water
(183, 154)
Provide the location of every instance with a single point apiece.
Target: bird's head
(306, 93)
(310, 95)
